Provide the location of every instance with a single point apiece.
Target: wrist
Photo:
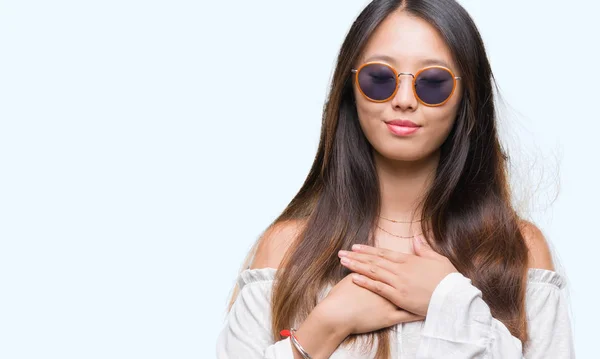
(319, 335)
(338, 328)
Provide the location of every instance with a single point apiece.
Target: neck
(403, 185)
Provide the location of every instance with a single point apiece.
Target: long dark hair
(472, 221)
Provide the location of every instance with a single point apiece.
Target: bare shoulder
(539, 252)
(275, 242)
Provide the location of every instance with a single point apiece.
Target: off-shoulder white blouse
(458, 323)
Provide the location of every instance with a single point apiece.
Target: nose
(405, 98)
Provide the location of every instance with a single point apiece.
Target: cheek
(369, 109)
(370, 118)
(440, 124)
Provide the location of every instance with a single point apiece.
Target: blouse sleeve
(459, 323)
(247, 332)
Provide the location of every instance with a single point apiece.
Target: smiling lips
(402, 127)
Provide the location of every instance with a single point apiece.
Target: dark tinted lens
(377, 82)
(434, 86)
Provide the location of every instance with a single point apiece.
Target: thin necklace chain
(393, 220)
(395, 235)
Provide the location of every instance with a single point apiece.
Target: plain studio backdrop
(144, 146)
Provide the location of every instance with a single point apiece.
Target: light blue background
(144, 145)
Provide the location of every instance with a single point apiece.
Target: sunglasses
(432, 85)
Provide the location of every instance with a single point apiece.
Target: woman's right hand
(359, 310)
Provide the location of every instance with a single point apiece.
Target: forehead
(407, 42)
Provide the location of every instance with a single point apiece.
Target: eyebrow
(423, 62)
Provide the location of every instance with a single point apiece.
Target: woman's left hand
(405, 279)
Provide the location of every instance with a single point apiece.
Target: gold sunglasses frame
(397, 77)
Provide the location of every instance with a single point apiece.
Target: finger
(403, 316)
(383, 289)
(422, 248)
(394, 256)
(371, 259)
(371, 271)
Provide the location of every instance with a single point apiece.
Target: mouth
(402, 127)
(402, 123)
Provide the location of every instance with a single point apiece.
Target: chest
(394, 243)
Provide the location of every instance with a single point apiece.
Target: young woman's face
(408, 44)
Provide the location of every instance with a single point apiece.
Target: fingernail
(342, 253)
(357, 278)
(356, 247)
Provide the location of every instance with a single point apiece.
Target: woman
(410, 166)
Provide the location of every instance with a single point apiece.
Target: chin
(402, 156)
(405, 152)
